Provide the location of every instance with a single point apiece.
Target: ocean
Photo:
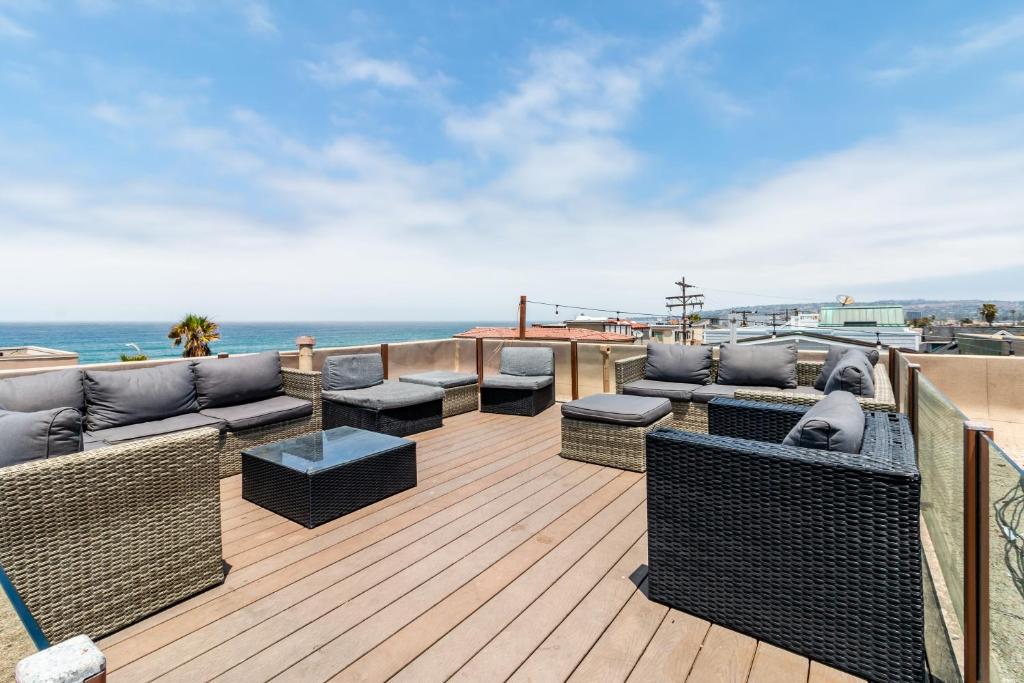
(105, 342)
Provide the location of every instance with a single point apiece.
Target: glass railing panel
(940, 458)
(1006, 565)
(591, 363)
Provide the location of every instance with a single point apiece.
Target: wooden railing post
(913, 373)
(976, 540)
(606, 354)
(575, 362)
(480, 360)
(522, 317)
(893, 359)
(384, 358)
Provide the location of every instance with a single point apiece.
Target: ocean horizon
(104, 342)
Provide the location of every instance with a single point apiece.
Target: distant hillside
(942, 310)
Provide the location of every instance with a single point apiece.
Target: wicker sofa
(97, 540)
(693, 415)
(815, 551)
(524, 386)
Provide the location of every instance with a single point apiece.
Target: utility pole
(775, 315)
(687, 302)
(744, 314)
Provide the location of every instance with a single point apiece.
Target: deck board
(505, 562)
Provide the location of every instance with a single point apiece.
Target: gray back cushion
(678, 363)
(115, 398)
(758, 366)
(835, 353)
(853, 373)
(58, 389)
(527, 361)
(835, 423)
(233, 381)
(354, 371)
(38, 435)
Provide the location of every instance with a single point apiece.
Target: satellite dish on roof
(844, 299)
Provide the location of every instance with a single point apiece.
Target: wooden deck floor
(506, 562)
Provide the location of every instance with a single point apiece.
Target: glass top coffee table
(320, 476)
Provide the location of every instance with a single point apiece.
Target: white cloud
(12, 29)
(346, 64)
(258, 17)
(970, 43)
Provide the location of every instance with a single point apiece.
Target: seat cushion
(233, 381)
(806, 391)
(673, 391)
(706, 393)
(678, 363)
(527, 361)
(853, 373)
(835, 353)
(39, 435)
(259, 413)
(631, 411)
(386, 396)
(516, 382)
(46, 390)
(441, 378)
(115, 398)
(353, 371)
(835, 423)
(145, 430)
(757, 365)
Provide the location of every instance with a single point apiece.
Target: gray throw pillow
(678, 363)
(528, 361)
(38, 435)
(115, 398)
(835, 423)
(854, 374)
(353, 371)
(757, 366)
(57, 389)
(233, 381)
(835, 353)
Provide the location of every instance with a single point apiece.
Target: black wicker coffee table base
(312, 498)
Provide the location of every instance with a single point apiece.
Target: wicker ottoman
(610, 429)
(461, 389)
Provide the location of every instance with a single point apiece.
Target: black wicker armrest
(756, 420)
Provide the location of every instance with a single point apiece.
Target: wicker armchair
(693, 417)
(298, 383)
(95, 541)
(817, 552)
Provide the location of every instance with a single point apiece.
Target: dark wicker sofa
(525, 385)
(815, 551)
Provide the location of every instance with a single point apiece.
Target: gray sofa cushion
(758, 365)
(231, 381)
(145, 430)
(441, 378)
(835, 353)
(259, 413)
(853, 373)
(673, 391)
(115, 398)
(835, 423)
(516, 382)
(30, 393)
(354, 371)
(678, 363)
(706, 393)
(39, 434)
(631, 411)
(806, 391)
(527, 361)
(386, 396)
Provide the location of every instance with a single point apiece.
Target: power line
(595, 308)
(765, 296)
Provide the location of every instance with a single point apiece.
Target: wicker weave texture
(98, 540)
(517, 401)
(608, 444)
(396, 421)
(458, 400)
(815, 552)
(312, 500)
(297, 383)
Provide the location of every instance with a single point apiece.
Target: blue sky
(327, 160)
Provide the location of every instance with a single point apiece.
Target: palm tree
(989, 313)
(694, 318)
(196, 332)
